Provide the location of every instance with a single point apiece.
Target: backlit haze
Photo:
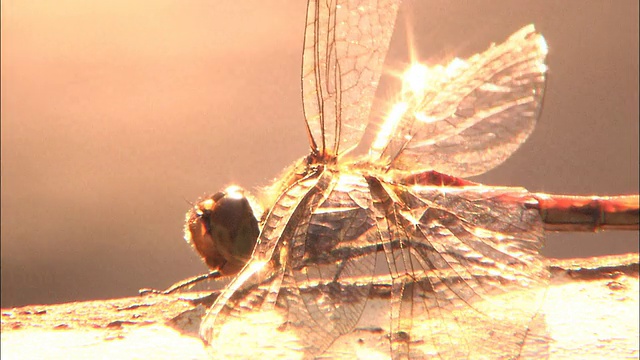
(116, 112)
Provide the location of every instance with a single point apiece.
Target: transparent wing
(470, 116)
(345, 44)
(299, 298)
(430, 271)
(467, 279)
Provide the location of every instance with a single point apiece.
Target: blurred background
(116, 112)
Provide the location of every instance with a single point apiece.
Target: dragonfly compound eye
(223, 229)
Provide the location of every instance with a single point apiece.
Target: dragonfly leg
(182, 284)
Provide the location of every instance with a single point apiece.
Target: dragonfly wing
(470, 116)
(248, 307)
(345, 44)
(293, 298)
(467, 278)
(461, 271)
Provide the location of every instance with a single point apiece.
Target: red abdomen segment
(558, 212)
(588, 213)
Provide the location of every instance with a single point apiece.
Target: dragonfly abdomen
(588, 213)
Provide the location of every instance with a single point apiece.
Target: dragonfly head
(223, 229)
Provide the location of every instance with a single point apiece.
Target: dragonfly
(395, 244)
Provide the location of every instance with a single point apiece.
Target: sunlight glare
(415, 78)
(389, 127)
